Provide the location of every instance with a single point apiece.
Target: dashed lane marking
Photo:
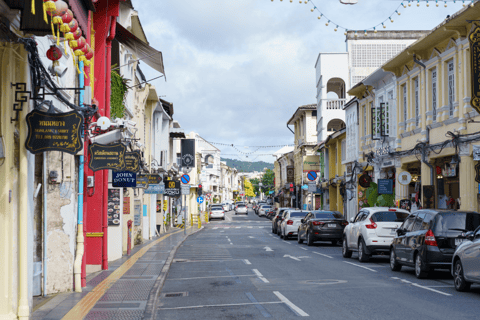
(422, 287)
(246, 261)
(222, 305)
(290, 304)
(357, 265)
(260, 276)
(323, 254)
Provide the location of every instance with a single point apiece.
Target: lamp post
(260, 189)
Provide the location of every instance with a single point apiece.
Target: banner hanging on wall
(54, 132)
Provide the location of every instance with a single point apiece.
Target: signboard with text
(188, 152)
(132, 161)
(155, 188)
(54, 132)
(124, 179)
(385, 186)
(311, 163)
(172, 188)
(474, 39)
(105, 157)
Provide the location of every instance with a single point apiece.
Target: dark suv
(427, 239)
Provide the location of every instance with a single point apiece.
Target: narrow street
(239, 269)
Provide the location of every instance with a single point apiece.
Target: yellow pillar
(425, 180)
(468, 186)
(401, 191)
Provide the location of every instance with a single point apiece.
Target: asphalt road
(238, 269)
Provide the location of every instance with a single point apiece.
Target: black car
(322, 226)
(427, 239)
(278, 219)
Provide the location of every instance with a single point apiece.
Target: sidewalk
(124, 290)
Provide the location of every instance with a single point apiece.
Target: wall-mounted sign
(404, 178)
(290, 174)
(155, 188)
(477, 172)
(126, 205)
(124, 179)
(104, 157)
(50, 131)
(188, 152)
(385, 186)
(474, 38)
(311, 163)
(113, 213)
(172, 188)
(185, 190)
(132, 161)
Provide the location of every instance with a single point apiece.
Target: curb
(151, 307)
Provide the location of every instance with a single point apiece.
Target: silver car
(241, 208)
(466, 261)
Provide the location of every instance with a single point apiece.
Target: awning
(143, 51)
(177, 133)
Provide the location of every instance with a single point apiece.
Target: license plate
(458, 242)
(331, 225)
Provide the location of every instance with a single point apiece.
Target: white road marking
(268, 249)
(215, 228)
(289, 256)
(249, 227)
(251, 237)
(304, 249)
(228, 218)
(221, 305)
(290, 304)
(260, 276)
(357, 265)
(246, 261)
(323, 254)
(423, 287)
(180, 279)
(238, 227)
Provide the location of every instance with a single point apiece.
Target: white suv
(372, 231)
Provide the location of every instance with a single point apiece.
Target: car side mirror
(401, 231)
(302, 220)
(351, 220)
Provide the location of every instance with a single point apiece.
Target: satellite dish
(104, 123)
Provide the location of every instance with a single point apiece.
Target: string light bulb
(311, 9)
(471, 4)
(463, 3)
(418, 3)
(409, 4)
(436, 3)
(345, 33)
(356, 35)
(384, 26)
(391, 20)
(446, 4)
(336, 28)
(397, 12)
(428, 4)
(306, 1)
(327, 23)
(319, 17)
(404, 5)
(374, 30)
(365, 34)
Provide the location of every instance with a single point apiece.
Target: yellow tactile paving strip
(83, 307)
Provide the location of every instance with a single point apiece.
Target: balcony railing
(334, 104)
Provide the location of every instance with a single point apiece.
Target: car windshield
(328, 215)
(266, 207)
(297, 214)
(217, 208)
(389, 216)
(453, 223)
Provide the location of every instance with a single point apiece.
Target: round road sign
(185, 179)
(312, 175)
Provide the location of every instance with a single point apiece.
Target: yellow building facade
(335, 170)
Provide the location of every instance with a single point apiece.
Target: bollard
(191, 220)
(199, 221)
(206, 217)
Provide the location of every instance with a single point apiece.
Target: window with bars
(417, 106)
(451, 86)
(380, 120)
(434, 95)
(405, 106)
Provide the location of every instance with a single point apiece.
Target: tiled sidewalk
(123, 291)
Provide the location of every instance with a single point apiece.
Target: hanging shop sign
(105, 157)
(132, 161)
(54, 132)
(124, 179)
(188, 152)
(364, 180)
(290, 174)
(476, 153)
(385, 186)
(474, 38)
(311, 163)
(142, 181)
(477, 172)
(404, 178)
(155, 188)
(113, 207)
(172, 188)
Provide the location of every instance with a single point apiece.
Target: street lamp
(260, 187)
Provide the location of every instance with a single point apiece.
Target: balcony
(333, 104)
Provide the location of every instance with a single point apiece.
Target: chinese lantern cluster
(62, 18)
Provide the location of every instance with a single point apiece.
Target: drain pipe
(290, 129)
(77, 266)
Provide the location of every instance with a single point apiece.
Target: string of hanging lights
(382, 24)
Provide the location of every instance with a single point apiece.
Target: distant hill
(244, 166)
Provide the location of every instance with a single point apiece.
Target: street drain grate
(175, 294)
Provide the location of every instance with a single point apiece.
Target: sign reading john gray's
(188, 152)
(104, 157)
(54, 131)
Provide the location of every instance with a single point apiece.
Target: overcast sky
(238, 69)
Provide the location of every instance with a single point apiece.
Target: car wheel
(285, 236)
(345, 252)
(281, 234)
(309, 240)
(394, 265)
(362, 255)
(299, 239)
(458, 279)
(420, 270)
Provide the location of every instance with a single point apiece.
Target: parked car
(466, 261)
(291, 222)
(321, 226)
(217, 212)
(278, 216)
(372, 231)
(428, 238)
(270, 213)
(261, 203)
(263, 208)
(241, 208)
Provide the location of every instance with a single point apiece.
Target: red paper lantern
(54, 53)
(89, 54)
(74, 36)
(66, 18)
(86, 51)
(80, 45)
(61, 8)
(49, 5)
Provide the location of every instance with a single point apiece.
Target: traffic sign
(200, 199)
(185, 190)
(312, 175)
(185, 179)
(209, 196)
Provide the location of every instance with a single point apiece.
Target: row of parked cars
(425, 240)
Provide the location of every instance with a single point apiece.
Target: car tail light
(373, 225)
(345, 223)
(430, 239)
(318, 223)
(392, 209)
(290, 222)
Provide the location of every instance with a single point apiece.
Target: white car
(372, 231)
(226, 207)
(261, 211)
(241, 208)
(290, 223)
(217, 212)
